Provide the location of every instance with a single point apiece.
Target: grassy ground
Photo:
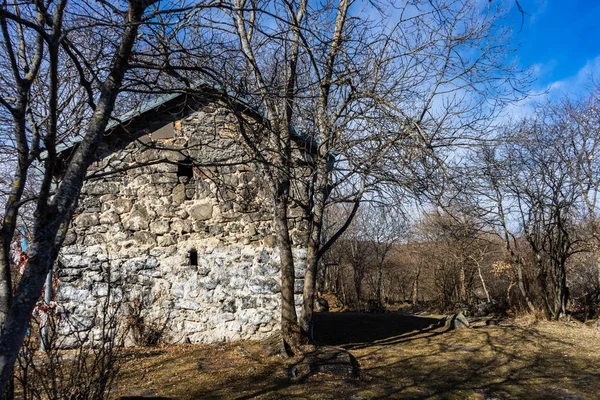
(400, 357)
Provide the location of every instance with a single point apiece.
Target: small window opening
(193, 257)
(185, 168)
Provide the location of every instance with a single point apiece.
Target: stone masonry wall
(193, 255)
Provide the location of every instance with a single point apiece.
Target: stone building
(174, 227)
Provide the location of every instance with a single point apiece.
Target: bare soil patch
(401, 357)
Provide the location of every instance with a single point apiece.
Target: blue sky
(561, 40)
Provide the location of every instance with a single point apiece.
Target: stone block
(224, 317)
(229, 306)
(259, 317)
(264, 257)
(233, 326)
(193, 327)
(107, 198)
(201, 212)
(300, 253)
(138, 263)
(85, 220)
(181, 226)
(299, 270)
(179, 195)
(165, 240)
(165, 210)
(269, 241)
(457, 321)
(178, 289)
(110, 217)
(237, 282)
(248, 302)
(101, 188)
(68, 293)
(190, 192)
(137, 220)
(70, 238)
(147, 155)
(215, 230)
(187, 305)
(209, 283)
(263, 285)
(101, 289)
(268, 269)
(164, 178)
(182, 214)
(145, 238)
(93, 239)
(160, 227)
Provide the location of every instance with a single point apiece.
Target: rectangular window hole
(185, 168)
(193, 257)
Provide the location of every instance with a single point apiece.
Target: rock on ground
(457, 321)
(333, 360)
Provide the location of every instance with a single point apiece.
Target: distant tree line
(516, 228)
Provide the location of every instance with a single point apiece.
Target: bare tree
(381, 229)
(64, 65)
(535, 206)
(579, 151)
(457, 246)
(382, 92)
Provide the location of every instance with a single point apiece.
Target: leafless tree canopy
(515, 230)
(386, 92)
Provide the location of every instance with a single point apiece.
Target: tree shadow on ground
(410, 357)
(350, 329)
(512, 362)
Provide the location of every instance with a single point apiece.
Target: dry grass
(521, 360)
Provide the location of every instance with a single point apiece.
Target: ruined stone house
(174, 227)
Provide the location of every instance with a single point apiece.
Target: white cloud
(574, 86)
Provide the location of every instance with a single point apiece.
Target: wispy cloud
(575, 86)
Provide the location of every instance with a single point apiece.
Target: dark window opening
(193, 257)
(185, 168)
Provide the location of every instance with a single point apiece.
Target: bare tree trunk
(358, 286)
(521, 285)
(8, 230)
(597, 258)
(560, 292)
(289, 319)
(379, 283)
(510, 286)
(415, 286)
(19, 313)
(320, 196)
(9, 223)
(314, 243)
(548, 309)
(54, 212)
(487, 294)
(462, 287)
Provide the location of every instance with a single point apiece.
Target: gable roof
(202, 88)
